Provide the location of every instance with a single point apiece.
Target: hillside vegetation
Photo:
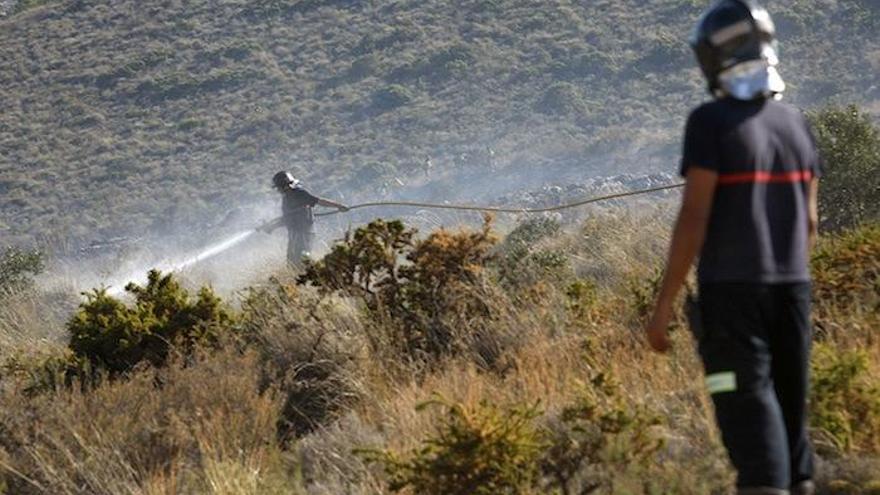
(440, 363)
(420, 365)
(121, 116)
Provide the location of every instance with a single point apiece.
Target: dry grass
(165, 432)
(213, 425)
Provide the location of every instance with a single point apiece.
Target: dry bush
(846, 271)
(32, 321)
(428, 298)
(313, 351)
(166, 431)
(615, 245)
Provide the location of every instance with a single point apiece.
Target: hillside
(120, 116)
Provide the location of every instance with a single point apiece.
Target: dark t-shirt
(765, 157)
(296, 207)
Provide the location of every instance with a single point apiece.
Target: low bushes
(115, 337)
(17, 269)
(483, 450)
(429, 296)
(312, 351)
(845, 401)
(203, 398)
(846, 270)
(487, 449)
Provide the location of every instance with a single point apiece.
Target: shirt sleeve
(700, 143)
(306, 197)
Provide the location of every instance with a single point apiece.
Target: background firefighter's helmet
(735, 45)
(284, 179)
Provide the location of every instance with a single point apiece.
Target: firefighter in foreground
(749, 212)
(297, 216)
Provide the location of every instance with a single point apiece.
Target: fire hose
(500, 209)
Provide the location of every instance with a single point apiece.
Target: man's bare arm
(332, 204)
(687, 240)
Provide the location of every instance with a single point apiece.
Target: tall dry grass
(287, 408)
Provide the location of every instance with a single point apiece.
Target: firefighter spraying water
(299, 220)
(297, 216)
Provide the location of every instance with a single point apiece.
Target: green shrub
(596, 436)
(850, 145)
(643, 294)
(39, 374)
(429, 294)
(522, 262)
(845, 401)
(492, 450)
(483, 450)
(17, 269)
(582, 298)
(115, 337)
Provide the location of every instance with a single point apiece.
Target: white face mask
(749, 80)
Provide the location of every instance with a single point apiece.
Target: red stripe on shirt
(760, 177)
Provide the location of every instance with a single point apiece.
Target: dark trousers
(299, 244)
(755, 345)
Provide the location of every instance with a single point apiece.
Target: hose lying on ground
(496, 209)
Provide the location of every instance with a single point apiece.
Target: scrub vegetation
(123, 117)
(378, 370)
(456, 361)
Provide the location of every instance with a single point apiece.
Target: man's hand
(687, 240)
(657, 330)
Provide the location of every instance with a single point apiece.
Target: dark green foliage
(429, 289)
(392, 97)
(484, 450)
(844, 402)
(17, 269)
(133, 67)
(437, 67)
(116, 337)
(177, 86)
(850, 187)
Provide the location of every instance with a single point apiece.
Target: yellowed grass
(209, 426)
